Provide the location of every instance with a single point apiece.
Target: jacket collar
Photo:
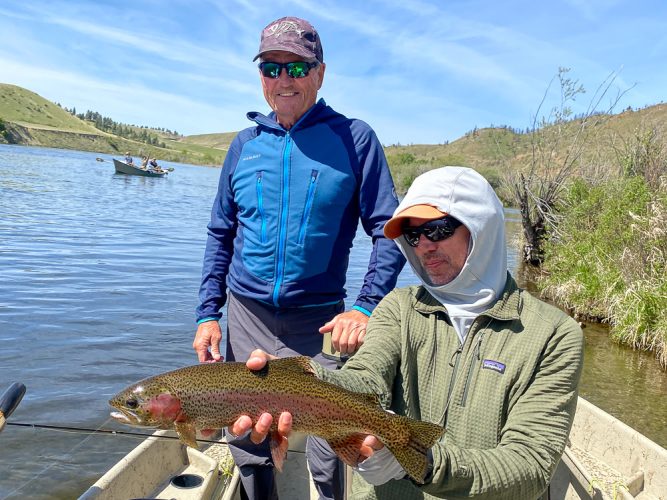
(506, 308)
(270, 120)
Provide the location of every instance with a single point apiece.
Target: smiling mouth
(287, 94)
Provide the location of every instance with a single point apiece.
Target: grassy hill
(220, 141)
(492, 151)
(29, 119)
(28, 109)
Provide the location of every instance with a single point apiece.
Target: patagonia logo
(251, 157)
(497, 366)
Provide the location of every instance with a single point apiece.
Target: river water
(98, 283)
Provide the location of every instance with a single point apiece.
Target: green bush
(609, 259)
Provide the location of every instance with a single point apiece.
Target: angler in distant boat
(153, 166)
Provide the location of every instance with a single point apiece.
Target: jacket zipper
(308, 206)
(454, 364)
(282, 239)
(260, 206)
(476, 353)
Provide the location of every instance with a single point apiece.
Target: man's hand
(262, 427)
(348, 330)
(208, 335)
(369, 446)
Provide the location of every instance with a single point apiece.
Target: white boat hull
(605, 459)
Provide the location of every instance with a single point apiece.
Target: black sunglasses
(435, 230)
(297, 69)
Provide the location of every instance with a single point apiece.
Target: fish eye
(131, 403)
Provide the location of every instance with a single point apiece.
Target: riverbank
(608, 259)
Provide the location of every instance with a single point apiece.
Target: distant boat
(126, 168)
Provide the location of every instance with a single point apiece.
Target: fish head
(147, 404)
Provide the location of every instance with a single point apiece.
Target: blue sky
(417, 71)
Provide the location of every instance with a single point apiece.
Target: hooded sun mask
(464, 194)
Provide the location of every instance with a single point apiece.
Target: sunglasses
(298, 69)
(435, 230)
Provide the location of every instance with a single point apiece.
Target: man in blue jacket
(292, 190)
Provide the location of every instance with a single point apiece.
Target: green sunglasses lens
(297, 69)
(270, 70)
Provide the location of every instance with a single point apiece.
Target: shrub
(609, 259)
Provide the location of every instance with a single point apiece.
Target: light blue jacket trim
(204, 320)
(361, 309)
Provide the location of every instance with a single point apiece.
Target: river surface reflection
(98, 283)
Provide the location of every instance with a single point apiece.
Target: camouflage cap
(291, 34)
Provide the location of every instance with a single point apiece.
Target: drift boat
(125, 168)
(605, 459)
(161, 468)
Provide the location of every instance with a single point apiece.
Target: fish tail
(412, 454)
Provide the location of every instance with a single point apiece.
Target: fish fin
(278, 445)
(299, 364)
(347, 448)
(187, 433)
(207, 433)
(412, 454)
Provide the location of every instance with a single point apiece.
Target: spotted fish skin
(215, 395)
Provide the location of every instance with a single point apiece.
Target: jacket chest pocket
(308, 206)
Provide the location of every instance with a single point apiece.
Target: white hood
(464, 194)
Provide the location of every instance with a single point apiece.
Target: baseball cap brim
(394, 226)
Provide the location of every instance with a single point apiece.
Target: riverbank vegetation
(608, 259)
(597, 226)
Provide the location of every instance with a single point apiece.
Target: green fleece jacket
(506, 397)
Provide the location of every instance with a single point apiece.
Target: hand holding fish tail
(348, 330)
(368, 447)
(208, 335)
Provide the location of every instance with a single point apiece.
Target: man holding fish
(468, 350)
(292, 191)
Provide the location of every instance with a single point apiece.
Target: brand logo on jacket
(251, 157)
(490, 364)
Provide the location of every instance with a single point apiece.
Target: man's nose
(283, 74)
(425, 243)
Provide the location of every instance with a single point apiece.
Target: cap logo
(284, 27)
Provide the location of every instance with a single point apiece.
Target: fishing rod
(13, 396)
(88, 430)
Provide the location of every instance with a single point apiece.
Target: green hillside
(220, 141)
(492, 151)
(29, 119)
(26, 108)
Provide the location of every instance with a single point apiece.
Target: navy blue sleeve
(377, 202)
(220, 241)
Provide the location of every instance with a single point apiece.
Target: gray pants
(282, 332)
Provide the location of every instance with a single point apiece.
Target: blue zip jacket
(287, 209)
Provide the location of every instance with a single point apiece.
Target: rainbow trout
(214, 395)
